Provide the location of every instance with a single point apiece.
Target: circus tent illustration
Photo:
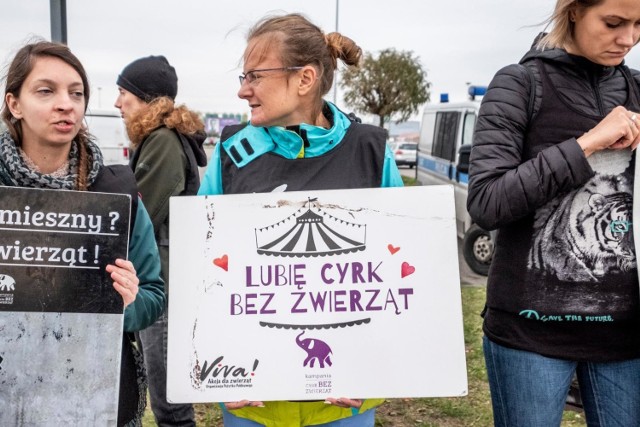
(310, 233)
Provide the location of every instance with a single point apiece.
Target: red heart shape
(222, 262)
(392, 248)
(407, 269)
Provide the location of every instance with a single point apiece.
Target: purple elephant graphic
(316, 350)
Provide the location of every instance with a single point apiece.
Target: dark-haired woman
(47, 146)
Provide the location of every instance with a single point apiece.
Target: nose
(245, 90)
(64, 102)
(629, 36)
(117, 104)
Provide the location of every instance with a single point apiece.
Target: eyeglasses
(250, 76)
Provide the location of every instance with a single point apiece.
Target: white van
(446, 133)
(109, 131)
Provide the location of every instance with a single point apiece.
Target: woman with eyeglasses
(297, 141)
(553, 168)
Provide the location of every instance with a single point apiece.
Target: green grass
(469, 411)
(408, 181)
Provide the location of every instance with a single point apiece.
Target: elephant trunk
(298, 340)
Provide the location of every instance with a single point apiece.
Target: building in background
(215, 122)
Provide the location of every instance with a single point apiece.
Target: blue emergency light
(476, 91)
(444, 97)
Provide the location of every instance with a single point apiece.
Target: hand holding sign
(242, 404)
(125, 280)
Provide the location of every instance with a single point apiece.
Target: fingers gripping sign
(618, 130)
(125, 280)
(344, 402)
(635, 125)
(242, 403)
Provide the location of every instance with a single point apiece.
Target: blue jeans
(152, 341)
(529, 390)
(366, 419)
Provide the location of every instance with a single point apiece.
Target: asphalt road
(468, 277)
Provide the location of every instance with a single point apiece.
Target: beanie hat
(149, 78)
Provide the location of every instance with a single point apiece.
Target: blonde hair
(162, 112)
(301, 42)
(561, 33)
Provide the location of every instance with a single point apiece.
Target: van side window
(468, 128)
(446, 129)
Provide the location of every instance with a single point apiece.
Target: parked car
(405, 153)
(110, 134)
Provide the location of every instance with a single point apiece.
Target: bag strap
(193, 173)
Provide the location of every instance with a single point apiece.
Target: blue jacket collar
(289, 141)
(252, 142)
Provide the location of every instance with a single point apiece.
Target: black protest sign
(54, 247)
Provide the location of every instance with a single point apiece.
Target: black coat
(502, 187)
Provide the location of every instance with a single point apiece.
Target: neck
(47, 159)
(321, 120)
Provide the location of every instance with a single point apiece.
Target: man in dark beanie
(167, 151)
(149, 78)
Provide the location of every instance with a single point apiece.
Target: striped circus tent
(310, 232)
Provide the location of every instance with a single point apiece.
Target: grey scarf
(13, 170)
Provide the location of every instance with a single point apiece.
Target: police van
(446, 133)
(110, 134)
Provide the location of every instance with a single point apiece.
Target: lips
(64, 125)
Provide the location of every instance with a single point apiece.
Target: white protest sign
(315, 294)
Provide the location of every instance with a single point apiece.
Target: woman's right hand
(618, 130)
(243, 403)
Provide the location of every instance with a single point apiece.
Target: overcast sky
(457, 41)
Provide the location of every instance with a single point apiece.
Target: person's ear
(308, 78)
(13, 103)
(572, 14)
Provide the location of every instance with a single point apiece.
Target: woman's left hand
(344, 402)
(125, 281)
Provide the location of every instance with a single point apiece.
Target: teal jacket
(290, 145)
(143, 253)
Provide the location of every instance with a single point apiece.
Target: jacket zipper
(596, 91)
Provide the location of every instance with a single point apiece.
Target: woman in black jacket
(552, 168)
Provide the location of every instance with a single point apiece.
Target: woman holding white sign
(553, 169)
(47, 146)
(297, 141)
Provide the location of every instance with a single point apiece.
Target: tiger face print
(585, 234)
